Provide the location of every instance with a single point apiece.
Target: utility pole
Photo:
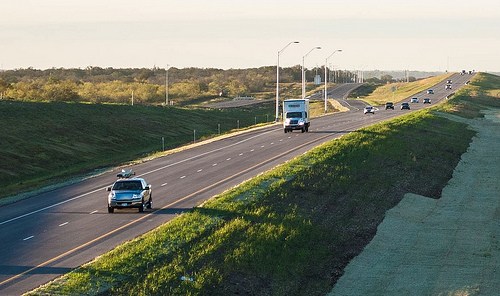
(166, 85)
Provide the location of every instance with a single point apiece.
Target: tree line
(148, 86)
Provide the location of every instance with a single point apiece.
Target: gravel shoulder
(449, 246)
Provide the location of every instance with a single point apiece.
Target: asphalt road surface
(339, 91)
(55, 231)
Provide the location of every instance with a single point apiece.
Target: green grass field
(292, 230)
(44, 143)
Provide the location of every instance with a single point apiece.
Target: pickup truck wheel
(141, 208)
(303, 129)
(150, 203)
(111, 209)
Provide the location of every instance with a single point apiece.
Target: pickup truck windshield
(128, 185)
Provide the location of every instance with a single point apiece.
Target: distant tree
(373, 80)
(89, 92)
(63, 91)
(3, 85)
(144, 74)
(255, 82)
(236, 88)
(26, 90)
(186, 89)
(216, 85)
(386, 78)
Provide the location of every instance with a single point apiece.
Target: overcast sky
(385, 34)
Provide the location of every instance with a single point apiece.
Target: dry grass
(396, 92)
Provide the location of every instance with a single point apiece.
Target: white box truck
(296, 115)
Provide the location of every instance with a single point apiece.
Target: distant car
(130, 193)
(389, 105)
(430, 91)
(448, 86)
(369, 109)
(414, 100)
(449, 81)
(125, 174)
(427, 101)
(405, 105)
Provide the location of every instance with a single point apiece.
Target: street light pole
(278, 79)
(303, 74)
(326, 76)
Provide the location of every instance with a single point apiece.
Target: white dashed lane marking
(28, 238)
(227, 159)
(62, 224)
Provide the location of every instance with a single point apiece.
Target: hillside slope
(46, 142)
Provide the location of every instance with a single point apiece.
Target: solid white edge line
(147, 173)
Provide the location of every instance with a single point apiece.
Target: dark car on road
(427, 101)
(130, 193)
(405, 105)
(389, 105)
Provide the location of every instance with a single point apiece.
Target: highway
(49, 234)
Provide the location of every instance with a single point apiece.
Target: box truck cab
(296, 115)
